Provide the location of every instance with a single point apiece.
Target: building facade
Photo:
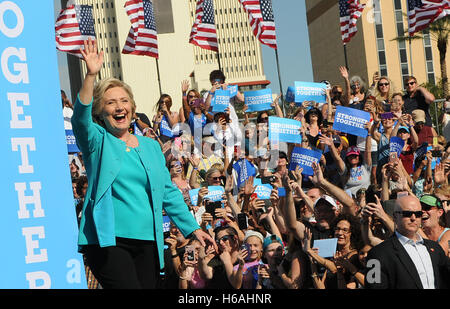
(239, 51)
(374, 48)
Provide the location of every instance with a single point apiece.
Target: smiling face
(116, 111)
(383, 86)
(225, 241)
(411, 85)
(255, 246)
(431, 215)
(214, 179)
(343, 233)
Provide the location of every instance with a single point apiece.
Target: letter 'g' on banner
(351, 120)
(38, 221)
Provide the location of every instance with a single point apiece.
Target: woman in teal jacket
(129, 186)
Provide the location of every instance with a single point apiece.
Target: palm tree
(439, 32)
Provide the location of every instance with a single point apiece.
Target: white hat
(250, 233)
(328, 199)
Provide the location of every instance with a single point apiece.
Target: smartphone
(211, 207)
(267, 204)
(242, 221)
(166, 234)
(190, 250)
(393, 157)
(436, 153)
(268, 179)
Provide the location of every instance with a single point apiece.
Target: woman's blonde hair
(99, 91)
(391, 91)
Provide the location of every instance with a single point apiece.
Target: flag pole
(279, 80)
(345, 55)
(159, 78)
(410, 56)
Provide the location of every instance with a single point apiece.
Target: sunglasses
(224, 238)
(408, 213)
(411, 83)
(383, 84)
(426, 207)
(216, 178)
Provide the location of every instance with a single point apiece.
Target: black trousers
(131, 264)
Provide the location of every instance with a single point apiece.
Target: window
(428, 56)
(381, 49)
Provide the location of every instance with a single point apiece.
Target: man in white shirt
(406, 260)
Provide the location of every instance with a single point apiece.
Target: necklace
(126, 143)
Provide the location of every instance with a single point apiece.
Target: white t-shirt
(359, 178)
(67, 113)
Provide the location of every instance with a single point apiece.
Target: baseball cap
(353, 150)
(431, 200)
(328, 199)
(271, 239)
(403, 128)
(418, 115)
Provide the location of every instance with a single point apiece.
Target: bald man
(406, 260)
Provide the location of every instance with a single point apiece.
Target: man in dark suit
(406, 260)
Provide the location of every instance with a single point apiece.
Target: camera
(268, 179)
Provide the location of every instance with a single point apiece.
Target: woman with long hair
(165, 120)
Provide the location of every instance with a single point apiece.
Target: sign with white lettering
(38, 222)
(351, 120)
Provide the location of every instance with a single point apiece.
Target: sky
(292, 40)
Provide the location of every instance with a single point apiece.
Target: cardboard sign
(351, 120)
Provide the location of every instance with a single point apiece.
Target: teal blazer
(102, 156)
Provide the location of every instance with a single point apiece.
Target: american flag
(74, 25)
(203, 33)
(422, 13)
(349, 12)
(261, 20)
(142, 38)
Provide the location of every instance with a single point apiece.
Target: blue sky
(293, 47)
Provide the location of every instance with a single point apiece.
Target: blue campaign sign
(233, 90)
(221, 100)
(164, 127)
(284, 130)
(244, 170)
(263, 191)
(166, 224)
(351, 120)
(290, 95)
(396, 145)
(258, 100)
(193, 194)
(215, 193)
(304, 158)
(38, 220)
(71, 142)
(306, 91)
(281, 192)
